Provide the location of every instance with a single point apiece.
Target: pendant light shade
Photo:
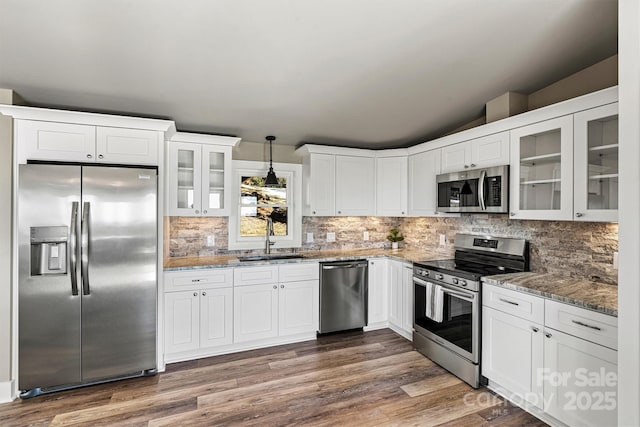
(271, 180)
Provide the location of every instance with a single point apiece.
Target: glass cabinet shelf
(541, 181)
(541, 159)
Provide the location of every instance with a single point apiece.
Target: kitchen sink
(268, 257)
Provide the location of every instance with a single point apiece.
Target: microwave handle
(483, 175)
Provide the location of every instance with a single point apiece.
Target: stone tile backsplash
(579, 249)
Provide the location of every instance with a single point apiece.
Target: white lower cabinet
(400, 288)
(378, 302)
(512, 354)
(197, 319)
(298, 307)
(559, 372)
(255, 312)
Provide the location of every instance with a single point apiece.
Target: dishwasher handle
(334, 266)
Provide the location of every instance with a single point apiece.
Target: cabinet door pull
(548, 335)
(282, 286)
(577, 322)
(534, 329)
(204, 294)
(508, 302)
(195, 294)
(275, 286)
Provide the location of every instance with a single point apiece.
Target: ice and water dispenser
(49, 250)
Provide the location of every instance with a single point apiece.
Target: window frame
(293, 173)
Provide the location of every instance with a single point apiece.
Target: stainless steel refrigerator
(87, 238)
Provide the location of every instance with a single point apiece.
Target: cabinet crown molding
(200, 138)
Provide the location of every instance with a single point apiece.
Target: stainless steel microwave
(478, 190)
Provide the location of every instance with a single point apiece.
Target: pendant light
(271, 180)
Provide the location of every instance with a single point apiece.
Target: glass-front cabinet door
(199, 178)
(596, 164)
(216, 160)
(184, 179)
(542, 170)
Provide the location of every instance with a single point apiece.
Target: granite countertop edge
(603, 307)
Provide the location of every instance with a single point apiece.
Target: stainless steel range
(447, 300)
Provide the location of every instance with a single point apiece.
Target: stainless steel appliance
(343, 295)
(452, 339)
(478, 190)
(87, 264)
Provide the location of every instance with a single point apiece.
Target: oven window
(456, 326)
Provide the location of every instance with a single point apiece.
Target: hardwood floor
(356, 379)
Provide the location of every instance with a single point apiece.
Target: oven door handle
(483, 175)
(460, 294)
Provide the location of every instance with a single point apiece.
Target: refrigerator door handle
(73, 248)
(85, 249)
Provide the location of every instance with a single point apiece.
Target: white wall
(6, 167)
(629, 231)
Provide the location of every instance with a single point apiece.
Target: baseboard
(401, 332)
(6, 391)
(375, 326)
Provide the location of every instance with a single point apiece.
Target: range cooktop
(468, 271)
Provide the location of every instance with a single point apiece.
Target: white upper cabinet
(486, 151)
(423, 168)
(53, 141)
(319, 182)
(596, 164)
(355, 186)
(542, 170)
(391, 184)
(128, 146)
(199, 175)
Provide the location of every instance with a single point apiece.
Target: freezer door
(49, 312)
(119, 266)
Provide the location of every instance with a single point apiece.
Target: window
(253, 203)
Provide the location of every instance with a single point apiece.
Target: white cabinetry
(400, 288)
(558, 358)
(378, 303)
(275, 301)
(355, 186)
(542, 170)
(199, 175)
(319, 182)
(423, 168)
(486, 151)
(391, 185)
(197, 311)
(596, 164)
(53, 141)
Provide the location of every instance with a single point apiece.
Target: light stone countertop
(196, 263)
(583, 293)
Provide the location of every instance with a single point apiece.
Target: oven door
(459, 330)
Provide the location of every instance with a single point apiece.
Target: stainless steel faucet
(269, 232)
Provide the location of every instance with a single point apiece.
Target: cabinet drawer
(299, 272)
(525, 306)
(243, 276)
(200, 279)
(589, 325)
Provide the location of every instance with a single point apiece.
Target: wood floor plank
(357, 379)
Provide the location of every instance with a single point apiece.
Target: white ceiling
(362, 73)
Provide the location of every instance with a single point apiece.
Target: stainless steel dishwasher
(343, 295)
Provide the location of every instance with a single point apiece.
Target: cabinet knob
(195, 294)
(473, 165)
(548, 335)
(534, 329)
(204, 212)
(339, 212)
(204, 294)
(314, 212)
(100, 156)
(197, 211)
(282, 286)
(578, 215)
(512, 214)
(402, 212)
(466, 166)
(89, 156)
(275, 286)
